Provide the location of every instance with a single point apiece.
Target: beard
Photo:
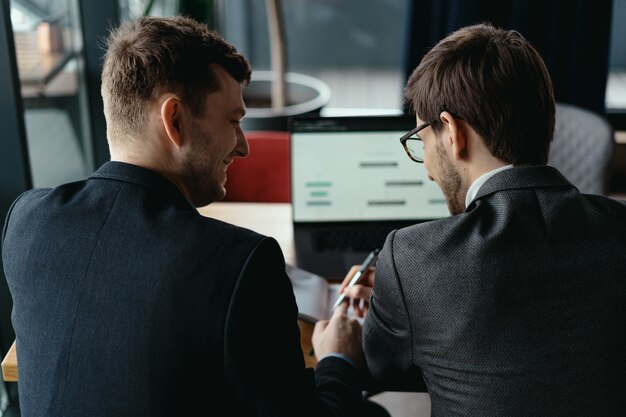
(199, 176)
(450, 182)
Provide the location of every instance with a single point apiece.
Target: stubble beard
(450, 182)
(200, 180)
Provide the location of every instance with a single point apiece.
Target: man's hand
(340, 334)
(360, 293)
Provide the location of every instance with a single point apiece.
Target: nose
(242, 149)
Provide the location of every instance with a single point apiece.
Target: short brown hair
(494, 80)
(154, 55)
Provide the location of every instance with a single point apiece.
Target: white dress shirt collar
(473, 189)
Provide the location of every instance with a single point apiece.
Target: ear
(171, 115)
(454, 136)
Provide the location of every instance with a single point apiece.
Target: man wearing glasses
(516, 304)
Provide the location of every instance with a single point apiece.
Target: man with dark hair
(516, 304)
(127, 302)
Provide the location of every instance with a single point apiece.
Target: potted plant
(274, 96)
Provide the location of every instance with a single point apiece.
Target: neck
(150, 156)
(479, 168)
(479, 160)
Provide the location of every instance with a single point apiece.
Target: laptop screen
(355, 169)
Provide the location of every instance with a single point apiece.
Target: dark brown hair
(494, 80)
(154, 55)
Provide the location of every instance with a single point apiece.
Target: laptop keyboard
(349, 240)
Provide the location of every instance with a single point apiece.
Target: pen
(369, 261)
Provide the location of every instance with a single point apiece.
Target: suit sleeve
(387, 330)
(263, 349)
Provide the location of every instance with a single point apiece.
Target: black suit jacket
(127, 302)
(516, 307)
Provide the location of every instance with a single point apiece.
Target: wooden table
(271, 219)
(9, 365)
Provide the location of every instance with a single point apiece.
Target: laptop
(351, 184)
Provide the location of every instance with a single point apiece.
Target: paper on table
(314, 294)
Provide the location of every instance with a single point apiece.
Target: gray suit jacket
(127, 302)
(516, 307)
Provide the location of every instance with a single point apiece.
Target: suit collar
(521, 177)
(143, 177)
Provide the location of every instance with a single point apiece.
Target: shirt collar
(473, 189)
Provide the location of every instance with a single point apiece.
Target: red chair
(265, 175)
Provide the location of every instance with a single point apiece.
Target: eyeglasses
(413, 145)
